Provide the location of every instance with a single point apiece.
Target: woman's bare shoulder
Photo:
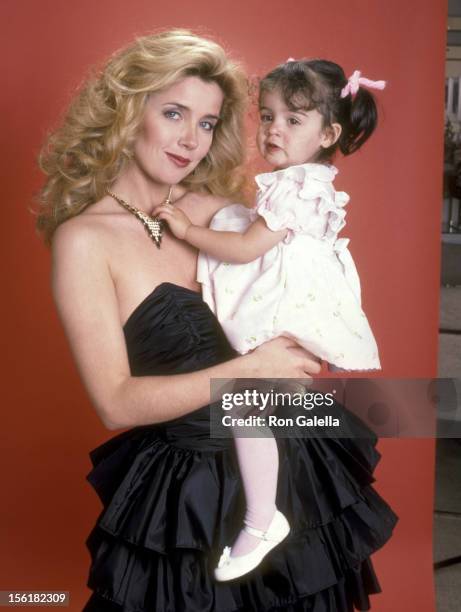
(201, 207)
(93, 226)
(215, 203)
(205, 200)
(81, 267)
(76, 237)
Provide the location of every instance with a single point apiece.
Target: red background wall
(48, 425)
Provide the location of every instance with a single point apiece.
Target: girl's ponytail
(361, 123)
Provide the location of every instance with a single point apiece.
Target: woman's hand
(282, 358)
(177, 220)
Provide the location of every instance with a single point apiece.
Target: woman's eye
(172, 114)
(208, 126)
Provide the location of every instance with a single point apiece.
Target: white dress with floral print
(307, 286)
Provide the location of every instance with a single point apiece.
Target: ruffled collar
(321, 172)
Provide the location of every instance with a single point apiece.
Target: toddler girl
(280, 269)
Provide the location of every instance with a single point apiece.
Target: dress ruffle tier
(169, 511)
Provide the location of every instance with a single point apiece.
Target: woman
(163, 121)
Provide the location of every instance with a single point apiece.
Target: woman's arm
(232, 247)
(85, 296)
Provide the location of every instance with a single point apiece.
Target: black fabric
(172, 497)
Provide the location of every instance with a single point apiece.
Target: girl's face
(289, 138)
(177, 129)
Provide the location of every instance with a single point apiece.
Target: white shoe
(233, 567)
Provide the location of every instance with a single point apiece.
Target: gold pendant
(153, 225)
(154, 228)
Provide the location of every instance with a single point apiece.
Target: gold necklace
(154, 225)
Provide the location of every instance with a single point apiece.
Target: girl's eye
(266, 118)
(172, 114)
(293, 121)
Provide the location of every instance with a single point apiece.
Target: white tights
(258, 460)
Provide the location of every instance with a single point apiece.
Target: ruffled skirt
(172, 499)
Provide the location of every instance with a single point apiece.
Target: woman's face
(177, 129)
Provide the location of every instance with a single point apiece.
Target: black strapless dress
(172, 497)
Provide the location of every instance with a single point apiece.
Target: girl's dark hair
(317, 84)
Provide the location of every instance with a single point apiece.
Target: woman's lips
(181, 162)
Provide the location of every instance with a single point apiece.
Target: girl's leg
(258, 460)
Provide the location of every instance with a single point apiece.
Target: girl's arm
(85, 296)
(232, 247)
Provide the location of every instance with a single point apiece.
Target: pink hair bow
(356, 80)
(290, 59)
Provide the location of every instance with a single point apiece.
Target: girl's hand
(177, 220)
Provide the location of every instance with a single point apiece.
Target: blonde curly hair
(84, 156)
